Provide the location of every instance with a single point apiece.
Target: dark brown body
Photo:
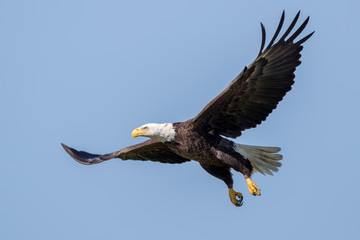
(207, 149)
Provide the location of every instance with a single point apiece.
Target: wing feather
(150, 150)
(263, 33)
(276, 32)
(257, 90)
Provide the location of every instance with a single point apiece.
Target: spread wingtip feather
(82, 157)
(263, 40)
(292, 25)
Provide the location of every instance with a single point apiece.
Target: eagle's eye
(146, 128)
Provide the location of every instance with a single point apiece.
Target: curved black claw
(84, 157)
(235, 197)
(239, 201)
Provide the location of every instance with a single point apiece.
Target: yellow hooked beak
(138, 132)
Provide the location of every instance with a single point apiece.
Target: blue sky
(87, 73)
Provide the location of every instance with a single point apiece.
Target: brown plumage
(244, 104)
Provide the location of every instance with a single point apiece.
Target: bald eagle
(244, 104)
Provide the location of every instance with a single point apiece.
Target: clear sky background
(87, 73)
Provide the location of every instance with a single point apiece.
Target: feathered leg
(239, 163)
(224, 174)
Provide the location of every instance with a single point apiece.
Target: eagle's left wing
(151, 150)
(255, 93)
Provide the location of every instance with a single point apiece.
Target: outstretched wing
(257, 90)
(149, 150)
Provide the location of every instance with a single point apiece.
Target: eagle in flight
(244, 104)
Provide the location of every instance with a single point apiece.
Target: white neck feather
(163, 132)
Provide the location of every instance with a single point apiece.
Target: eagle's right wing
(255, 92)
(151, 150)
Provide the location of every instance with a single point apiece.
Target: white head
(163, 132)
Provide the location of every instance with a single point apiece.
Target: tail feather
(264, 160)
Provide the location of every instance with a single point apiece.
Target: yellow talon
(235, 197)
(253, 189)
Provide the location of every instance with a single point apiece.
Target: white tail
(263, 159)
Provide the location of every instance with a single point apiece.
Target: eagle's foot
(253, 189)
(235, 197)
